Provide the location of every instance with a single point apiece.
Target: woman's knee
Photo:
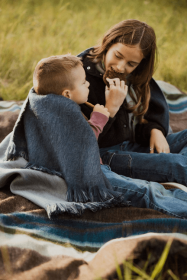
(120, 162)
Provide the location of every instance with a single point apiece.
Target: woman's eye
(130, 64)
(117, 56)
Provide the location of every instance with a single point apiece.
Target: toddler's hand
(101, 109)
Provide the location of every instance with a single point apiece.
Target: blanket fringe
(93, 194)
(79, 200)
(80, 195)
(77, 209)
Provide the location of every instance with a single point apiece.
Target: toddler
(65, 75)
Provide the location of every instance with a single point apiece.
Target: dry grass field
(31, 30)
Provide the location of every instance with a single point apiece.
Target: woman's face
(121, 58)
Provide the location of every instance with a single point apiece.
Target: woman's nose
(121, 67)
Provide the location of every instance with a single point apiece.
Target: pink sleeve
(97, 122)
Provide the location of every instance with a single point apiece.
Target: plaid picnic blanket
(85, 247)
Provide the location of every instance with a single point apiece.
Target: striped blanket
(85, 247)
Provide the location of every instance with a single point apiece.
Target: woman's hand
(115, 95)
(158, 142)
(101, 109)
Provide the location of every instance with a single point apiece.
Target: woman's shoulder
(89, 65)
(156, 92)
(85, 53)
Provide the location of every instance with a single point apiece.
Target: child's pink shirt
(97, 122)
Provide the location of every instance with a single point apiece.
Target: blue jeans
(143, 194)
(135, 161)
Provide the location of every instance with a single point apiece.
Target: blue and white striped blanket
(176, 99)
(26, 230)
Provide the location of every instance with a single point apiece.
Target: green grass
(155, 267)
(131, 271)
(32, 29)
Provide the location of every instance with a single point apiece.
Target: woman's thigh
(151, 167)
(135, 161)
(126, 146)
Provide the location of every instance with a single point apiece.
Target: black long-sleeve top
(117, 129)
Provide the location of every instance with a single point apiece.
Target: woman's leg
(143, 194)
(133, 160)
(178, 142)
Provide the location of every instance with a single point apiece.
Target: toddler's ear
(66, 93)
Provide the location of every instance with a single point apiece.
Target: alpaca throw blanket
(52, 135)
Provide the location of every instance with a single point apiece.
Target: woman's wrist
(112, 109)
(156, 131)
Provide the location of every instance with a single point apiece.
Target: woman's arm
(152, 134)
(158, 142)
(115, 95)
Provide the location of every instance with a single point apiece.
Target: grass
(131, 271)
(151, 268)
(31, 30)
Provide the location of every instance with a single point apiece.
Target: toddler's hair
(53, 74)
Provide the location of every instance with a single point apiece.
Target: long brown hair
(133, 32)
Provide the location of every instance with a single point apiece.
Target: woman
(139, 116)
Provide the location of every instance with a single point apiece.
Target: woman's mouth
(116, 72)
(112, 74)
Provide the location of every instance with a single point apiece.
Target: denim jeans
(144, 194)
(135, 161)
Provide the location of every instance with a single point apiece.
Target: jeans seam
(154, 204)
(129, 162)
(110, 159)
(130, 170)
(181, 217)
(154, 172)
(178, 141)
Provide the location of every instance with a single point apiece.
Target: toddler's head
(62, 75)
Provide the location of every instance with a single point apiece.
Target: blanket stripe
(45, 248)
(176, 99)
(10, 106)
(85, 235)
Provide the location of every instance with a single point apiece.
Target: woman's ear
(66, 93)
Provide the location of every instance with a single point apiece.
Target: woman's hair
(52, 74)
(131, 33)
